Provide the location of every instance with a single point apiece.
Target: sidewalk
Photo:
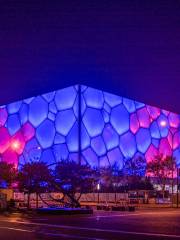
(137, 206)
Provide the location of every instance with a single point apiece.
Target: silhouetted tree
(34, 177)
(162, 168)
(73, 179)
(8, 174)
(135, 167)
(111, 177)
(130, 177)
(134, 172)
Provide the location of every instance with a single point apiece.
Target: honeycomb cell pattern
(86, 124)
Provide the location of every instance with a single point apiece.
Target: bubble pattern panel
(115, 129)
(40, 128)
(111, 128)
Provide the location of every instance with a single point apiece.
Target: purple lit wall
(40, 128)
(116, 128)
(112, 129)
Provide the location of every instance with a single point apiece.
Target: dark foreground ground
(142, 224)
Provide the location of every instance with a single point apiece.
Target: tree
(131, 177)
(8, 174)
(34, 177)
(111, 177)
(73, 179)
(135, 167)
(161, 168)
(135, 174)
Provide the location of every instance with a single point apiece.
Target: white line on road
(131, 214)
(17, 229)
(115, 215)
(100, 230)
(51, 234)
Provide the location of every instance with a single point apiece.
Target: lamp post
(27, 158)
(177, 196)
(172, 188)
(98, 189)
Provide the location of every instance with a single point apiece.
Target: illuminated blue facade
(87, 125)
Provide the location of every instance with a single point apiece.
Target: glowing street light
(98, 189)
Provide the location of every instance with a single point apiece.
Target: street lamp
(98, 189)
(178, 175)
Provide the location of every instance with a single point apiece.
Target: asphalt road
(142, 224)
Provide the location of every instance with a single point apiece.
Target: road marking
(132, 214)
(101, 230)
(116, 215)
(51, 234)
(17, 229)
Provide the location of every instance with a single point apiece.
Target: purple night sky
(130, 48)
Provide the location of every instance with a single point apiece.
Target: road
(142, 224)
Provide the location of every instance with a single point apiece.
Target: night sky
(130, 48)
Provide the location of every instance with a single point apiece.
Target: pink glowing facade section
(11, 147)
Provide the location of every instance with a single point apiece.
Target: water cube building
(87, 125)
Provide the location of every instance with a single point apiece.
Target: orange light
(163, 123)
